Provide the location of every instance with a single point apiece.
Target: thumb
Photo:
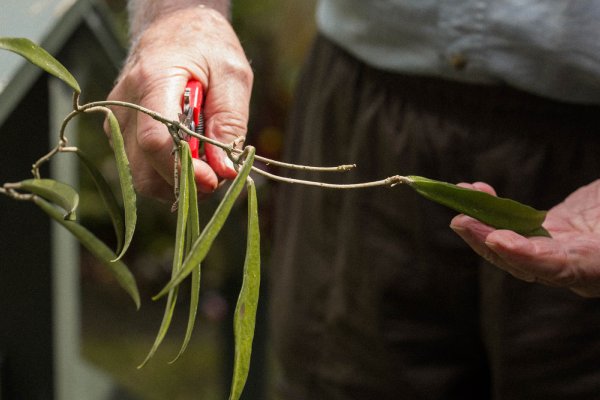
(152, 136)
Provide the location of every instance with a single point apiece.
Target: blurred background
(115, 338)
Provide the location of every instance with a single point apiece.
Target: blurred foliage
(275, 35)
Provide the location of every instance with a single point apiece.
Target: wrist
(143, 12)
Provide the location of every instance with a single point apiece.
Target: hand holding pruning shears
(192, 114)
(155, 76)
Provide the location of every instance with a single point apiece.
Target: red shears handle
(192, 99)
(191, 105)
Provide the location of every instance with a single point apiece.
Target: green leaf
(212, 229)
(180, 233)
(192, 233)
(40, 57)
(96, 247)
(108, 198)
(245, 310)
(56, 192)
(498, 212)
(125, 180)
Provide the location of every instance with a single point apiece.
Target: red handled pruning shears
(191, 106)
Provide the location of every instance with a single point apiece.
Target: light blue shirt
(548, 47)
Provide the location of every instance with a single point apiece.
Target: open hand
(571, 258)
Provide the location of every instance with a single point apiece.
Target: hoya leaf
(56, 192)
(180, 233)
(182, 208)
(95, 246)
(164, 325)
(192, 233)
(245, 310)
(212, 229)
(125, 180)
(498, 212)
(108, 198)
(40, 57)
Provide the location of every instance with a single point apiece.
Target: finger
(226, 111)
(153, 138)
(219, 161)
(484, 187)
(474, 233)
(206, 180)
(544, 258)
(481, 186)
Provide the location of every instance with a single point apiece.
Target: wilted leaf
(212, 229)
(125, 180)
(498, 212)
(40, 57)
(56, 192)
(245, 310)
(96, 247)
(180, 233)
(108, 198)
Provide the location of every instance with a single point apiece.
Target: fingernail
(457, 229)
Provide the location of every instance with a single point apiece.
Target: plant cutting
(192, 243)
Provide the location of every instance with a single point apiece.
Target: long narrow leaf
(180, 233)
(56, 192)
(40, 57)
(245, 310)
(108, 198)
(212, 229)
(498, 212)
(192, 233)
(96, 247)
(125, 180)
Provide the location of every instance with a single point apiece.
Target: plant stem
(158, 117)
(7, 190)
(75, 101)
(298, 167)
(35, 168)
(115, 103)
(390, 182)
(230, 149)
(62, 141)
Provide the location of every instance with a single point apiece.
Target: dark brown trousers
(372, 295)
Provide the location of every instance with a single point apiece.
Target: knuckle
(229, 125)
(238, 68)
